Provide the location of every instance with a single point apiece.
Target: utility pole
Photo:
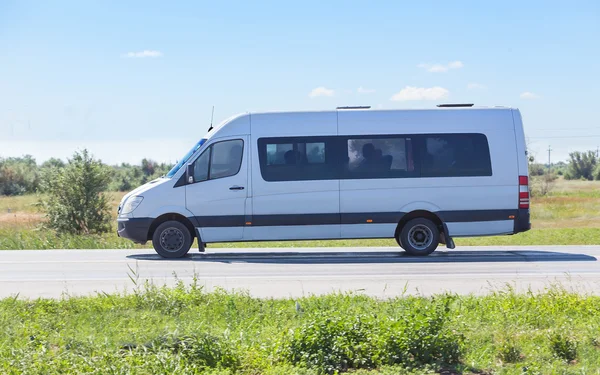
(549, 150)
(597, 151)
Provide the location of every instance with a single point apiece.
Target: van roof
(368, 109)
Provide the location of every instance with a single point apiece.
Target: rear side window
(297, 159)
(381, 157)
(455, 155)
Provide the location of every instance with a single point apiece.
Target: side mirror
(189, 172)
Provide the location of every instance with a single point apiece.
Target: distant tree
(597, 172)
(18, 175)
(75, 202)
(581, 165)
(536, 169)
(53, 162)
(148, 167)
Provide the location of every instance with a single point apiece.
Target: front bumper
(135, 229)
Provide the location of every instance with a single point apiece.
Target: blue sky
(138, 78)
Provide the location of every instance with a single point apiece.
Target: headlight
(131, 204)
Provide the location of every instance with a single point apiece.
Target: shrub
(201, 350)
(536, 169)
(582, 165)
(563, 347)
(333, 343)
(508, 352)
(422, 337)
(596, 174)
(18, 176)
(75, 202)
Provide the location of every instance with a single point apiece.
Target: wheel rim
(420, 237)
(172, 239)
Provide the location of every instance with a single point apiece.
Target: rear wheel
(172, 239)
(419, 237)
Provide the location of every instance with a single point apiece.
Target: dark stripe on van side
(347, 218)
(303, 219)
(476, 215)
(220, 221)
(375, 217)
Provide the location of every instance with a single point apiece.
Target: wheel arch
(422, 214)
(168, 217)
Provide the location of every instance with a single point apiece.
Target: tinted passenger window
(455, 155)
(297, 159)
(381, 157)
(276, 154)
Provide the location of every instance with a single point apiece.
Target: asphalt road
(293, 272)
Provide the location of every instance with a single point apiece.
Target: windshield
(185, 159)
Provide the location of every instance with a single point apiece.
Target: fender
(173, 210)
(420, 206)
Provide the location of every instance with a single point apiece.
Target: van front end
(139, 209)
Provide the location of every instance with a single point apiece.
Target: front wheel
(419, 237)
(172, 239)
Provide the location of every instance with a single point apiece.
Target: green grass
(183, 330)
(32, 239)
(569, 215)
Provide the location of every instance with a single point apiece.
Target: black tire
(419, 237)
(172, 239)
(399, 242)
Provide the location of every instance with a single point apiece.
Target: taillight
(523, 192)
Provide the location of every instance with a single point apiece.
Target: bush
(543, 185)
(508, 352)
(200, 350)
(536, 169)
(596, 174)
(332, 343)
(18, 176)
(582, 165)
(563, 347)
(75, 202)
(422, 337)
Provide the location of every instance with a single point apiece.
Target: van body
(422, 177)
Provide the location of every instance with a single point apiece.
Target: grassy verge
(186, 331)
(41, 239)
(569, 215)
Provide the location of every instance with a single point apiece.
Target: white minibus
(422, 177)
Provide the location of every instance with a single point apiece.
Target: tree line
(580, 166)
(22, 175)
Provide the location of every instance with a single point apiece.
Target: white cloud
(362, 90)
(529, 95)
(420, 93)
(321, 91)
(475, 86)
(142, 54)
(441, 68)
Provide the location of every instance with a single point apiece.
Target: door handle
(236, 188)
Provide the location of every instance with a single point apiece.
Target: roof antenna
(211, 118)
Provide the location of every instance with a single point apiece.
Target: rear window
(455, 155)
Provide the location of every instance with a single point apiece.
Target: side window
(201, 166)
(226, 158)
(222, 159)
(280, 154)
(297, 159)
(456, 155)
(381, 157)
